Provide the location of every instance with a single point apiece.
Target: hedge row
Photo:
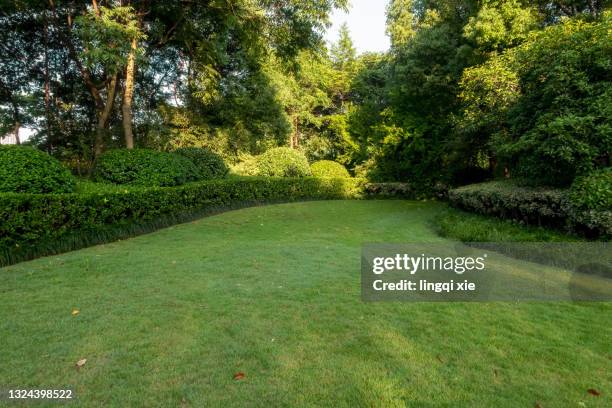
(531, 205)
(30, 221)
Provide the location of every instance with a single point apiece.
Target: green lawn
(168, 318)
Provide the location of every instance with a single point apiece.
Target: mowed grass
(168, 319)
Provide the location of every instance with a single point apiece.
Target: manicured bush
(590, 200)
(328, 168)
(532, 205)
(145, 167)
(32, 221)
(25, 169)
(283, 162)
(572, 209)
(209, 164)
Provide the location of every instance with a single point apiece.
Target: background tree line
(469, 89)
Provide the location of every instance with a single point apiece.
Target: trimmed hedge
(283, 162)
(530, 205)
(145, 167)
(24, 169)
(32, 224)
(328, 168)
(210, 165)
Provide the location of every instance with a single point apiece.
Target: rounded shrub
(25, 169)
(144, 167)
(328, 168)
(283, 162)
(210, 165)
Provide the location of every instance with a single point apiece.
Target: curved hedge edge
(36, 225)
(112, 233)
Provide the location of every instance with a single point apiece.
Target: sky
(366, 21)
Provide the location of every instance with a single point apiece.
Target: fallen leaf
(537, 405)
(81, 362)
(239, 376)
(75, 312)
(594, 392)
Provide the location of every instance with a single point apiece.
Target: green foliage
(543, 205)
(246, 166)
(591, 201)
(145, 167)
(328, 168)
(546, 103)
(593, 192)
(540, 206)
(500, 24)
(401, 22)
(30, 220)
(106, 34)
(283, 162)
(210, 165)
(29, 170)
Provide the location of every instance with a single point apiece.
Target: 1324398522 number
(39, 394)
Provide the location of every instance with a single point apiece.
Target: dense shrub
(27, 170)
(591, 201)
(542, 206)
(145, 167)
(328, 168)
(283, 162)
(246, 166)
(210, 165)
(390, 190)
(32, 221)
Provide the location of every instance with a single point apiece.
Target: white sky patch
(366, 20)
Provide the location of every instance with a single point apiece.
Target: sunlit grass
(167, 319)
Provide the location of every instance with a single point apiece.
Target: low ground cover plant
(25, 169)
(283, 162)
(145, 167)
(328, 168)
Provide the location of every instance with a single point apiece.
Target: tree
(401, 22)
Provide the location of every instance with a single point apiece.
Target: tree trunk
(128, 95)
(17, 127)
(104, 116)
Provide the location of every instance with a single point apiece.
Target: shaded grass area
(470, 227)
(167, 319)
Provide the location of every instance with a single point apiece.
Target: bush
(328, 168)
(390, 190)
(35, 225)
(246, 166)
(591, 201)
(209, 163)
(554, 207)
(283, 162)
(28, 170)
(540, 206)
(145, 167)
